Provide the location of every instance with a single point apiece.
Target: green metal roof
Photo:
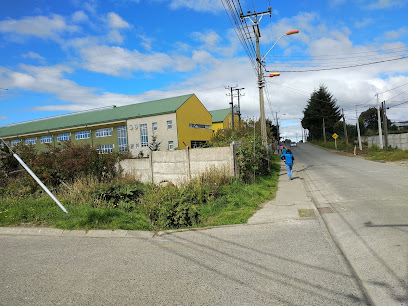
(219, 115)
(139, 110)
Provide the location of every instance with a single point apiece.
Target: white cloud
(146, 42)
(115, 21)
(336, 2)
(363, 23)
(115, 37)
(33, 55)
(39, 26)
(79, 17)
(381, 4)
(118, 61)
(197, 5)
(396, 34)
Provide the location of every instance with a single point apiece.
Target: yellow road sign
(335, 136)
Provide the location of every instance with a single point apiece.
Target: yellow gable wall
(218, 126)
(192, 111)
(226, 124)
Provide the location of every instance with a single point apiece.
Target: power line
(344, 67)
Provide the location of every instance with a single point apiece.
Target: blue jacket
(289, 158)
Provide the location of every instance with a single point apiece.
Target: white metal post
(379, 124)
(358, 132)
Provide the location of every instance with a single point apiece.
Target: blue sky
(64, 56)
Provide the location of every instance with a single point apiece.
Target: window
(82, 135)
(103, 132)
(104, 149)
(200, 126)
(3, 144)
(31, 140)
(197, 144)
(15, 142)
(144, 139)
(46, 139)
(63, 136)
(169, 124)
(171, 145)
(122, 139)
(154, 126)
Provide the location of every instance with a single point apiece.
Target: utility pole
(232, 104)
(345, 127)
(277, 128)
(239, 105)
(379, 124)
(385, 125)
(255, 22)
(358, 132)
(324, 131)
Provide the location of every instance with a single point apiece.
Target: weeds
(372, 153)
(211, 199)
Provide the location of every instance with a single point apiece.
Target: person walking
(283, 150)
(289, 160)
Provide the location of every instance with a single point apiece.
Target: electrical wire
(343, 67)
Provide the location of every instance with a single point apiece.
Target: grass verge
(372, 153)
(122, 205)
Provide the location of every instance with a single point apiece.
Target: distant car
(293, 144)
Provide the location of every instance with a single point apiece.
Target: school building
(222, 119)
(175, 122)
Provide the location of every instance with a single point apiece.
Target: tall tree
(369, 120)
(320, 105)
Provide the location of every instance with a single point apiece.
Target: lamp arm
(272, 47)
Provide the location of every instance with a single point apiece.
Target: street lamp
(260, 84)
(286, 34)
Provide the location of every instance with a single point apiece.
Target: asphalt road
(365, 206)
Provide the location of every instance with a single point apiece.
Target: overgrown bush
(64, 163)
(123, 194)
(175, 207)
(166, 207)
(252, 158)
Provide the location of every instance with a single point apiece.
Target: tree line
(322, 110)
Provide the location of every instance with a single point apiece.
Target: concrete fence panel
(202, 160)
(138, 168)
(169, 166)
(180, 166)
(399, 141)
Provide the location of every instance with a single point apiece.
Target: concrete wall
(399, 141)
(181, 165)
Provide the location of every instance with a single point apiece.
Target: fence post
(188, 163)
(234, 157)
(151, 165)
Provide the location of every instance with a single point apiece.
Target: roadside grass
(330, 144)
(44, 212)
(391, 155)
(372, 153)
(119, 204)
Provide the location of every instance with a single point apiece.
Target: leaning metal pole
(36, 178)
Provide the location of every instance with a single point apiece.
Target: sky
(58, 57)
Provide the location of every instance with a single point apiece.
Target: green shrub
(169, 207)
(125, 195)
(252, 158)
